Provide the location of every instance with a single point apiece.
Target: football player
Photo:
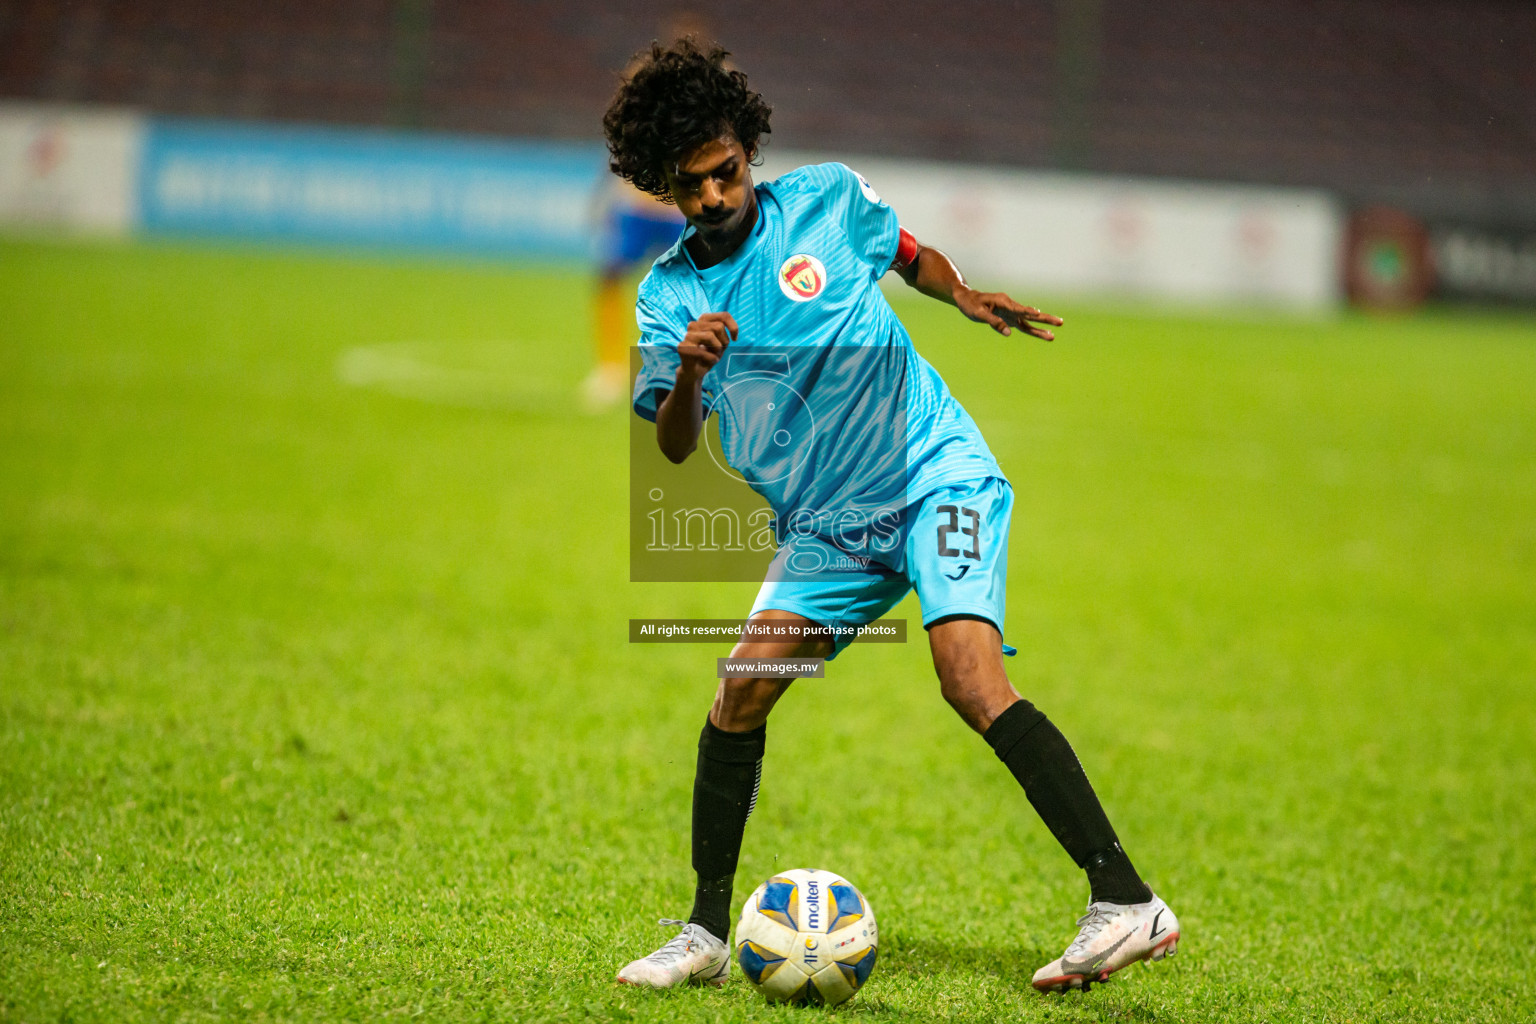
(879, 481)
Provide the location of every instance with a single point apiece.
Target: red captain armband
(906, 251)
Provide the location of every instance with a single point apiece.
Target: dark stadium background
(1421, 105)
(1426, 102)
(315, 700)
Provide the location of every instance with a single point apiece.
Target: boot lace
(681, 944)
(1092, 923)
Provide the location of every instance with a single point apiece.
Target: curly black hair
(677, 99)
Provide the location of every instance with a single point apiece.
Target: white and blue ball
(807, 936)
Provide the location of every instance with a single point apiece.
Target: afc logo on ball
(802, 277)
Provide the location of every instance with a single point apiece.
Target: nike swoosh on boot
(1086, 966)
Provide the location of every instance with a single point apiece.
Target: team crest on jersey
(802, 277)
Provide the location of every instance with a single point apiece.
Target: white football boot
(692, 957)
(1110, 937)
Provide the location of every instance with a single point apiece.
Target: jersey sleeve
(868, 221)
(659, 361)
(662, 327)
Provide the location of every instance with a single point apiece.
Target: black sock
(1112, 878)
(724, 793)
(1040, 757)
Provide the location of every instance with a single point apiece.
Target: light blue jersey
(823, 405)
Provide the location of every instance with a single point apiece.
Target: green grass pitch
(315, 700)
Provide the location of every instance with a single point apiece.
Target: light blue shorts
(955, 555)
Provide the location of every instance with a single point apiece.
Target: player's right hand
(704, 344)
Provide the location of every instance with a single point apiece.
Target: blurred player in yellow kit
(636, 228)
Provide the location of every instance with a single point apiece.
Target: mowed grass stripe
(315, 700)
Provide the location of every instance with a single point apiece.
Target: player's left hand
(1005, 315)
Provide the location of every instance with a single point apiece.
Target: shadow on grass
(909, 960)
(916, 961)
(917, 956)
(918, 979)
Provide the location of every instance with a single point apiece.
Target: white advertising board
(1039, 232)
(67, 167)
(1185, 242)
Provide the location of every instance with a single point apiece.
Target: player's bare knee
(973, 682)
(979, 699)
(959, 688)
(959, 669)
(743, 703)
